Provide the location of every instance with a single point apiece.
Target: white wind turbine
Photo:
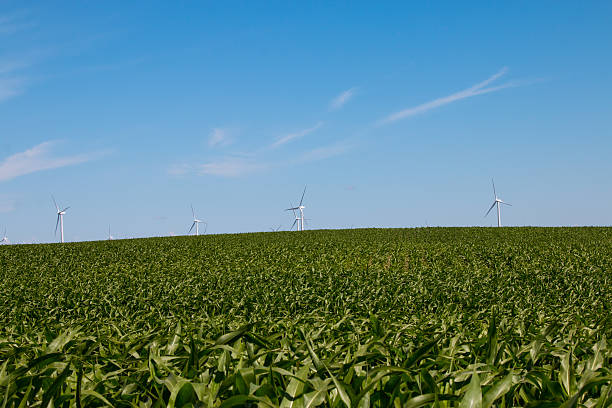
(110, 237)
(296, 218)
(497, 202)
(60, 219)
(196, 223)
(299, 219)
(4, 240)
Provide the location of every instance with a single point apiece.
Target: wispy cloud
(478, 89)
(341, 99)
(38, 158)
(219, 137)
(230, 167)
(296, 135)
(324, 152)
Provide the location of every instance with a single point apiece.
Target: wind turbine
(276, 229)
(60, 219)
(296, 218)
(110, 237)
(196, 223)
(4, 238)
(497, 202)
(299, 219)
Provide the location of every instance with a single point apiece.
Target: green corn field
(431, 317)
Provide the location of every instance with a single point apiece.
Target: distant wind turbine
(276, 229)
(196, 223)
(60, 219)
(296, 218)
(299, 219)
(4, 240)
(497, 203)
(110, 237)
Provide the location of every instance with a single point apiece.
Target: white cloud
(478, 89)
(219, 137)
(341, 99)
(230, 167)
(292, 136)
(38, 158)
(324, 152)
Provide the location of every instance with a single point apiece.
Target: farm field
(444, 317)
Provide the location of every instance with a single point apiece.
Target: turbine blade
(490, 208)
(192, 212)
(292, 208)
(294, 222)
(54, 202)
(57, 223)
(503, 202)
(65, 209)
(205, 227)
(304, 192)
(192, 225)
(494, 192)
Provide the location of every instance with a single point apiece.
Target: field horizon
(433, 316)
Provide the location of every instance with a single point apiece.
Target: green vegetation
(464, 317)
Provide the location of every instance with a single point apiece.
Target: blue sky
(394, 115)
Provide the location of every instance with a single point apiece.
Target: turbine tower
(196, 223)
(60, 219)
(295, 216)
(299, 219)
(4, 240)
(497, 203)
(110, 237)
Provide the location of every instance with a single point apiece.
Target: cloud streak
(341, 99)
(38, 158)
(325, 152)
(294, 136)
(480, 88)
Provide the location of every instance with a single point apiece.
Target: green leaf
(55, 387)
(96, 395)
(473, 395)
(492, 340)
(341, 390)
(499, 389)
(232, 336)
(173, 345)
(295, 389)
